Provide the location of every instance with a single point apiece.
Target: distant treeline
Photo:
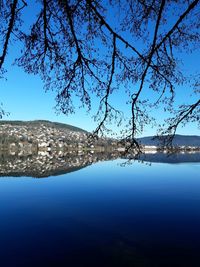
(44, 122)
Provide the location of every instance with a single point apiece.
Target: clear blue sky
(23, 96)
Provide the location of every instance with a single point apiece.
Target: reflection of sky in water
(153, 211)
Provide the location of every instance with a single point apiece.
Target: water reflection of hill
(47, 164)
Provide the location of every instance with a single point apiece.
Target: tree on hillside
(85, 47)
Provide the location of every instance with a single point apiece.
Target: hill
(46, 135)
(179, 140)
(48, 128)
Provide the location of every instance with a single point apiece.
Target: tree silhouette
(79, 49)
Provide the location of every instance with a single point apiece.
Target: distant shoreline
(41, 135)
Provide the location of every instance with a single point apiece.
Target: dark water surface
(103, 215)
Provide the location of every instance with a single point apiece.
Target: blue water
(103, 215)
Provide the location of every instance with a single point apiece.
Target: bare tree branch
(80, 52)
(10, 27)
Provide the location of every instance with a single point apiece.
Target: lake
(111, 213)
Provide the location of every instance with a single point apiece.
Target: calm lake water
(103, 215)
